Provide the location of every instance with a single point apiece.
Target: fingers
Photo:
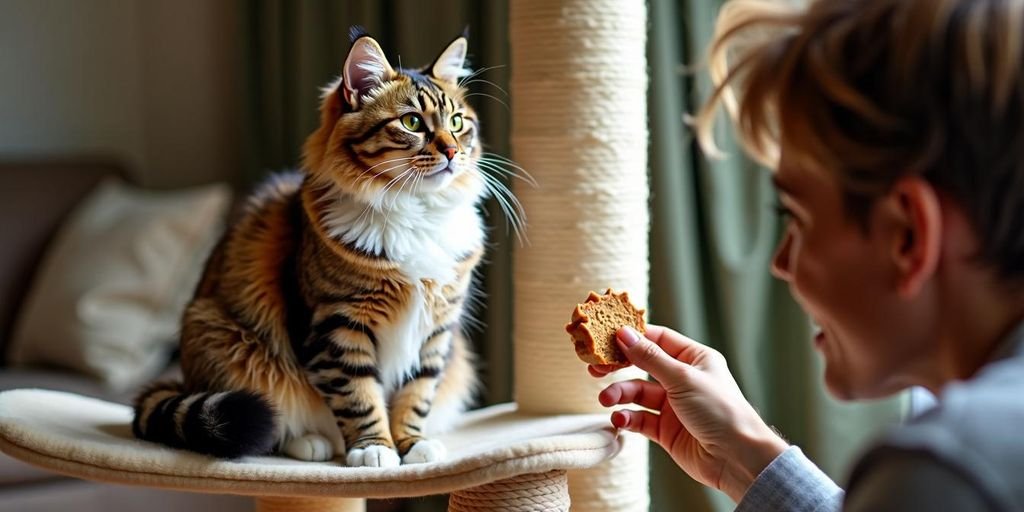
(676, 345)
(641, 392)
(642, 422)
(672, 343)
(599, 371)
(649, 357)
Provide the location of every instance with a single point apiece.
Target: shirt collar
(1011, 345)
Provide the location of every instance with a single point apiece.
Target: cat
(328, 318)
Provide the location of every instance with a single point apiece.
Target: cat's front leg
(411, 404)
(341, 362)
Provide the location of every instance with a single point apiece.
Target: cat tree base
(269, 504)
(499, 458)
(548, 492)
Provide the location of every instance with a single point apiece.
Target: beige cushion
(111, 288)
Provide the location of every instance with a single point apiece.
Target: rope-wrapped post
(579, 99)
(536, 492)
(299, 504)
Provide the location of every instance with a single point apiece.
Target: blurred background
(178, 94)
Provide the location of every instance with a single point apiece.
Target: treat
(595, 322)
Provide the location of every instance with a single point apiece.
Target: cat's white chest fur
(426, 238)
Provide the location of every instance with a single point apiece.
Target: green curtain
(712, 236)
(712, 233)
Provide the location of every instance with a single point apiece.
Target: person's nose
(781, 259)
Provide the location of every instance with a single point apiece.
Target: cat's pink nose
(450, 152)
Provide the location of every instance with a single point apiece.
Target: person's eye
(785, 214)
(782, 211)
(456, 123)
(412, 122)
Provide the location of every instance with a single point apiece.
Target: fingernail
(618, 419)
(628, 336)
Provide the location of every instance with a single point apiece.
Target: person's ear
(914, 209)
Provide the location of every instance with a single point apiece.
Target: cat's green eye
(412, 122)
(456, 123)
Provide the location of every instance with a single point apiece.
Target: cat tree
(579, 125)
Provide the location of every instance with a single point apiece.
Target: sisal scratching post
(579, 86)
(532, 492)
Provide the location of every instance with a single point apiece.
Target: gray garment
(899, 482)
(791, 482)
(967, 453)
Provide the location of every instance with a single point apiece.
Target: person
(895, 134)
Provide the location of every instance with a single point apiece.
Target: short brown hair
(875, 90)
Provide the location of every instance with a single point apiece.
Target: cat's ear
(450, 65)
(365, 68)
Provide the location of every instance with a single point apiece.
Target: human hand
(700, 415)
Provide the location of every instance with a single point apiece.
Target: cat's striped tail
(225, 424)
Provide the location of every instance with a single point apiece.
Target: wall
(154, 84)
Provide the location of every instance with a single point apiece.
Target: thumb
(648, 356)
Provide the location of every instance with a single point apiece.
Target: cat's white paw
(310, 447)
(427, 450)
(375, 456)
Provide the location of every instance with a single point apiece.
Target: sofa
(35, 199)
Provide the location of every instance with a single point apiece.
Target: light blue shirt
(966, 453)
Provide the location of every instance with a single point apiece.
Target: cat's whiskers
(504, 159)
(368, 209)
(495, 98)
(488, 82)
(478, 72)
(508, 202)
(394, 198)
(416, 183)
(497, 166)
(474, 77)
(369, 181)
(509, 211)
(378, 201)
(382, 195)
(492, 167)
(517, 215)
(374, 166)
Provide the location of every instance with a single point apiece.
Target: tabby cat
(327, 320)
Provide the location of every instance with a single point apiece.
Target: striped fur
(328, 319)
(225, 424)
